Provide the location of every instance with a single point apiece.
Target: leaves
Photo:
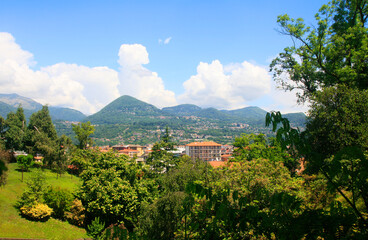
(83, 132)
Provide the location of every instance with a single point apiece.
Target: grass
(12, 225)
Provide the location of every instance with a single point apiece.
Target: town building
(206, 151)
(130, 150)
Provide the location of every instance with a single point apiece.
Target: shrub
(38, 212)
(76, 215)
(59, 200)
(95, 228)
(117, 231)
(34, 191)
(4, 159)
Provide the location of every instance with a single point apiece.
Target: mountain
(15, 100)
(66, 114)
(214, 114)
(5, 109)
(193, 110)
(129, 120)
(126, 109)
(252, 115)
(183, 110)
(10, 103)
(248, 112)
(296, 119)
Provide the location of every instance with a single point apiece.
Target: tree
(2, 127)
(255, 199)
(42, 136)
(113, 189)
(166, 140)
(31, 203)
(335, 52)
(15, 130)
(65, 148)
(252, 146)
(162, 218)
(25, 162)
(338, 141)
(83, 132)
(4, 159)
(329, 66)
(41, 122)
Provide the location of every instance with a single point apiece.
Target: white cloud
(226, 87)
(80, 87)
(88, 89)
(285, 101)
(84, 88)
(12, 52)
(138, 81)
(166, 41)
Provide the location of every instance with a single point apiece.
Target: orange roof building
(206, 151)
(131, 153)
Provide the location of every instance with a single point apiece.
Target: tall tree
(15, 127)
(83, 132)
(334, 52)
(41, 122)
(42, 136)
(328, 64)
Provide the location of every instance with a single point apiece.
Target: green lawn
(14, 226)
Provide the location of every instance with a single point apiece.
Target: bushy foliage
(113, 188)
(25, 161)
(38, 212)
(76, 214)
(34, 192)
(95, 228)
(161, 219)
(254, 146)
(256, 198)
(79, 160)
(16, 130)
(4, 159)
(83, 132)
(60, 200)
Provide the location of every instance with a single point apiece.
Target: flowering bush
(38, 212)
(76, 215)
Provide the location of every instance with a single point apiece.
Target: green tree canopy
(16, 129)
(254, 146)
(83, 132)
(113, 188)
(42, 136)
(41, 122)
(328, 64)
(334, 52)
(25, 162)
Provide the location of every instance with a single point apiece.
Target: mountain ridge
(10, 103)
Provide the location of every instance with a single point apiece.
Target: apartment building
(206, 151)
(131, 149)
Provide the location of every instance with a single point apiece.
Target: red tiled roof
(216, 164)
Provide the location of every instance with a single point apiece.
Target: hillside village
(211, 152)
(131, 170)
(127, 120)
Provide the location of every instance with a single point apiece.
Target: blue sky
(84, 54)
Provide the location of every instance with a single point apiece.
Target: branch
(345, 197)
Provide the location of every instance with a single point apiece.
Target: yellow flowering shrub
(38, 212)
